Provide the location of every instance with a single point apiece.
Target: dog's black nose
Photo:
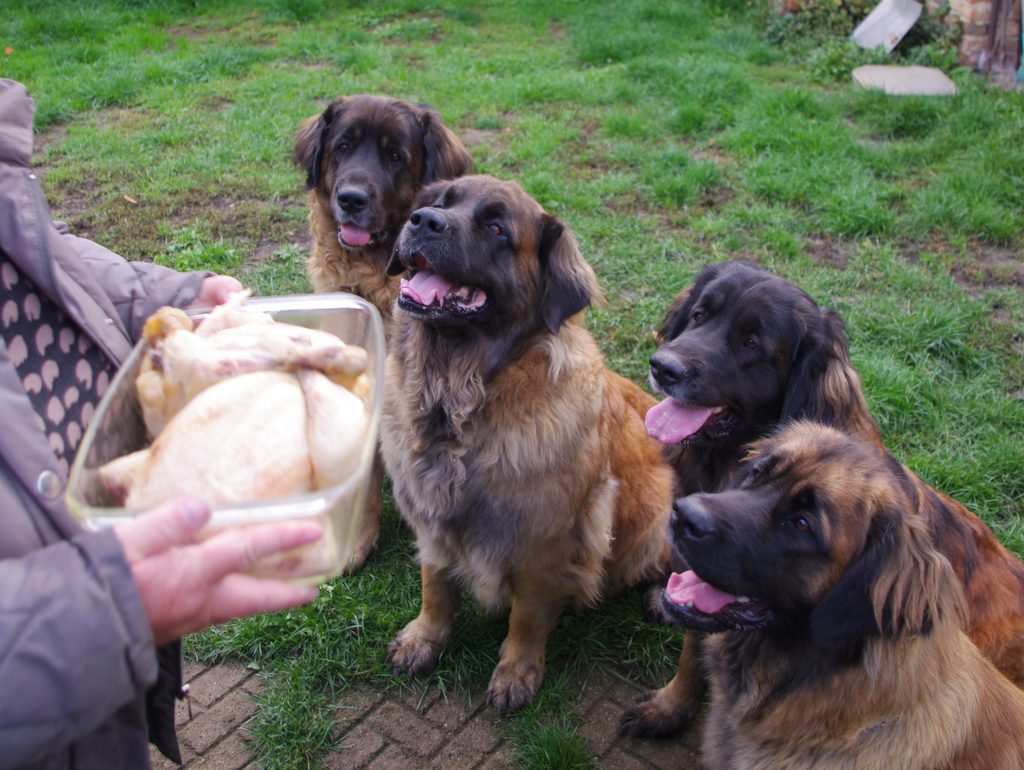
(691, 520)
(667, 370)
(352, 199)
(428, 220)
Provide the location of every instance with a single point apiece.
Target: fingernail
(194, 511)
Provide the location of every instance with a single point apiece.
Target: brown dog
(518, 459)
(844, 646)
(366, 158)
(743, 351)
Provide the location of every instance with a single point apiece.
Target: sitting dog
(520, 462)
(366, 158)
(843, 645)
(742, 351)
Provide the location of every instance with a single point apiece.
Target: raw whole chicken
(181, 362)
(242, 408)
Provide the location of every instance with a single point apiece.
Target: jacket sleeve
(75, 644)
(137, 289)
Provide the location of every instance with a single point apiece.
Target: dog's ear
(568, 283)
(899, 586)
(678, 313)
(308, 151)
(822, 384)
(444, 156)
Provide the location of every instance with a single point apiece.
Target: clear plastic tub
(117, 429)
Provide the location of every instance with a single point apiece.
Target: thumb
(174, 523)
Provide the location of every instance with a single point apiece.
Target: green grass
(667, 135)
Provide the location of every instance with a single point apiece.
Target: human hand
(215, 290)
(187, 585)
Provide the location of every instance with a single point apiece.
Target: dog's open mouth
(673, 423)
(696, 604)
(427, 291)
(354, 236)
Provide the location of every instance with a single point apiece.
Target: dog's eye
(801, 524)
(751, 342)
(698, 315)
(342, 147)
(395, 156)
(495, 228)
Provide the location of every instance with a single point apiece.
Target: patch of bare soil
(829, 252)
(990, 266)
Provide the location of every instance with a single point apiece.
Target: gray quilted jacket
(76, 651)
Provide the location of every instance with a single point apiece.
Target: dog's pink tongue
(686, 588)
(670, 422)
(354, 236)
(425, 287)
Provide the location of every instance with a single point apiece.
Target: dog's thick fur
(851, 653)
(520, 462)
(366, 158)
(752, 342)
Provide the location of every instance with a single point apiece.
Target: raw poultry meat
(242, 408)
(181, 362)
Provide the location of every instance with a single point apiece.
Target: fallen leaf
(8, 51)
(130, 199)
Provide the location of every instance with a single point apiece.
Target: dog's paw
(412, 653)
(514, 685)
(654, 715)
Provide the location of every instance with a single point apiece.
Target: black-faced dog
(366, 157)
(742, 352)
(843, 642)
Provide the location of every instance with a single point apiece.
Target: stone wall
(975, 16)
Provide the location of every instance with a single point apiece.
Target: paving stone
(232, 753)
(253, 685)
(158, 761)
(600, 728)
(451, 713)
(661, 753)
(903, 81)
(206, 729)
(502, 759)
(353, 705)
(211, 685)
(467, 749)
(404, 726)
(182, 713)
(190, 669)
(420, 700)
(393, 758)
(618, 759)
(358, 747)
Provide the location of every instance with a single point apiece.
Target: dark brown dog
(366, 158)
(518, 459)
(743, 351)
(844, 646)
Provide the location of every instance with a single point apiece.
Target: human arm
(79, 619)
(138, 289)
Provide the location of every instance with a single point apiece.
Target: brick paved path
(403, 731)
